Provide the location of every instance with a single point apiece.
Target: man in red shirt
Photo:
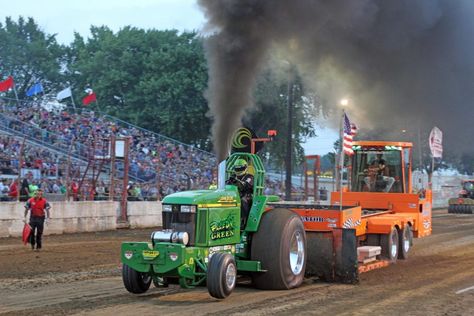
(38, 207)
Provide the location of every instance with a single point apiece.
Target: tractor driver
(244, 182)
(378, 178)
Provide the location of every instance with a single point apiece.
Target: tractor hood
(229, 195)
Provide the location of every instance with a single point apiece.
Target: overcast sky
(64, 17)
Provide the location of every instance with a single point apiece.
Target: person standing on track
(39, 213)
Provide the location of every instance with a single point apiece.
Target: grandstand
(67, 145)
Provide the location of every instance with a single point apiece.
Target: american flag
(350, 130)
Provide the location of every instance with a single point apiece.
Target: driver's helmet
(240, 167)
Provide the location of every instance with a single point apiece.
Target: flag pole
(341, 159)
(16, 95)
(73, 103)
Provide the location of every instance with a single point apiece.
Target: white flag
(66, 93)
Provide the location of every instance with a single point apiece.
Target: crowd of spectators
(152, 158)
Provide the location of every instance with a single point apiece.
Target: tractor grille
(180, 222)
(201, 228)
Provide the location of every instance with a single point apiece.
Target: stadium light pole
(289, 149)
(344, 103)
(339, 164)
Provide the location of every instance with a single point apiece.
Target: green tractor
(203, 240)
(464, 203)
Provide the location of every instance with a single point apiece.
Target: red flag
(26, 233)
(90, 98)
(6, 84)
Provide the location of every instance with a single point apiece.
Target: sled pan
(332, 255)
(26, 233)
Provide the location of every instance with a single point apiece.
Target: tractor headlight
(188, 208)
(167, 208)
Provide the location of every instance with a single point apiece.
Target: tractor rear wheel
(405, 241)
(389, 243)
(221, 275)
(468, 209)
(280, 246)
(135, 282)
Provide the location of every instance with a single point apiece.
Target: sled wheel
(389, 243)
(405, 241)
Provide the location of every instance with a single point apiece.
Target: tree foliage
(271, 112)
(29, 55)
(154, 79)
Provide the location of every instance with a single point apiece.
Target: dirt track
(80, 274)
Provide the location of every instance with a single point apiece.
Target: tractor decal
(426, 224)
(223, 228)
(150, 254)
(316, 219)
(349, 223)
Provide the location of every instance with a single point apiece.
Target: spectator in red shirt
(75, 191)
(13, 193)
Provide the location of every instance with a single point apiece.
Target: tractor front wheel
(280, 246)
(135, 282)
(221, 275)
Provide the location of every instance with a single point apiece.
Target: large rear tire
(280, 246)
(405, 241)
(389, 243)
(221, 275)
(135, 282)
(451, 208)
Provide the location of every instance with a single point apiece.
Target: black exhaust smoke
(403, 63)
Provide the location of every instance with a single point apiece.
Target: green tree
(154, 79)
(29, 55)
(271, 112)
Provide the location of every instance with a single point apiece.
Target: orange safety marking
(373, 265)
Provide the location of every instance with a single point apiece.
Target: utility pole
(420, 159)
(289, 145)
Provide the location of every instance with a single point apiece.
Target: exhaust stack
(221, 176)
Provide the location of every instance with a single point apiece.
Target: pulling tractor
(203, 242)
(464, 203)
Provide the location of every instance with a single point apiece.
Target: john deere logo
(222, 228)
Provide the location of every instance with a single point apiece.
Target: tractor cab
(467, 190)
(381, 167)
(255, 168)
